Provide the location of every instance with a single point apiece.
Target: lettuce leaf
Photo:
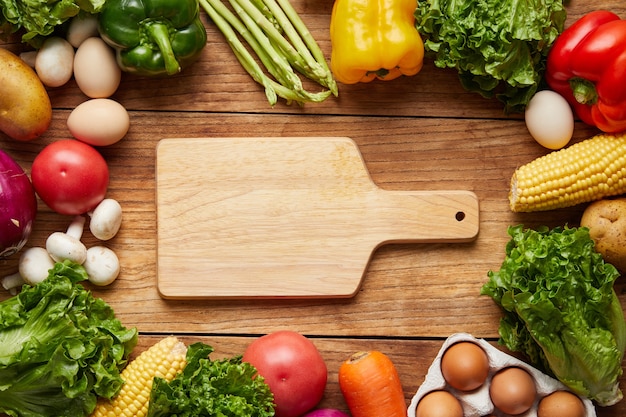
(60, 348)
(207, 388)
(37, 19)
(561, 310)
(498, 47)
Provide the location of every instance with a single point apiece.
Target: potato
(25, 108)
(606, 220)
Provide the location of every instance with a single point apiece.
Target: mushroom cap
(102, 265)
(106, 219)
(34, 265)
(62, 246)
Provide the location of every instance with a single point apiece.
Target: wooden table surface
(415, 133)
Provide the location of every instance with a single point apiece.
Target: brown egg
(465, 366)
(562, 404)
(513, 390)
(96, 71)
(439, 404)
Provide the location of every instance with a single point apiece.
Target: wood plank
(408, 290)
(414, 133)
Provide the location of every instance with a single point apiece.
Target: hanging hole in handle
(459, 216)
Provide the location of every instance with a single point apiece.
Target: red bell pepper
(587, 66)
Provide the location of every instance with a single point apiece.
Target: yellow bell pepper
(374, 39)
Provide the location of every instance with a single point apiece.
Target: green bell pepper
(153, 37)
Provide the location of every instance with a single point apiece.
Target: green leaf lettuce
(60, 348)
(561, 310)
(208, 388)
(38, 19)
(498, 47)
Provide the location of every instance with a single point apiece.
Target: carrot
(371, 386)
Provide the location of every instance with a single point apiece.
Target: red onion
(326, 412)
(18, 206)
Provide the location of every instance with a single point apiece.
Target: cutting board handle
(425, 217)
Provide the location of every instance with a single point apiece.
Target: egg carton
(477, 403)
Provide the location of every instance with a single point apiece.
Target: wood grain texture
(285, 217)
(408, 290)
(418, 133)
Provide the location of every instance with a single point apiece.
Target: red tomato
(70, 176)
(292, 367)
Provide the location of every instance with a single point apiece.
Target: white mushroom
(62, 246)
(33, 268)
(102, 265)
(81, 27)
(12, 282)
(54, 62)
(35, 263)
(106, 219)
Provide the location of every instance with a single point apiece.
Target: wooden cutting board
(285, 217)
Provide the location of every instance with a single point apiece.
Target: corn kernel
(586, 171)
(165, 359)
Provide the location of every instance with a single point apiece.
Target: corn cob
(586, 171)
(165, 359)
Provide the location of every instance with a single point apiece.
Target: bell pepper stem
(584, 91)
(159, 33)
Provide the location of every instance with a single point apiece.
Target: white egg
(99, 122)
(549, 119)
(96, 71)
